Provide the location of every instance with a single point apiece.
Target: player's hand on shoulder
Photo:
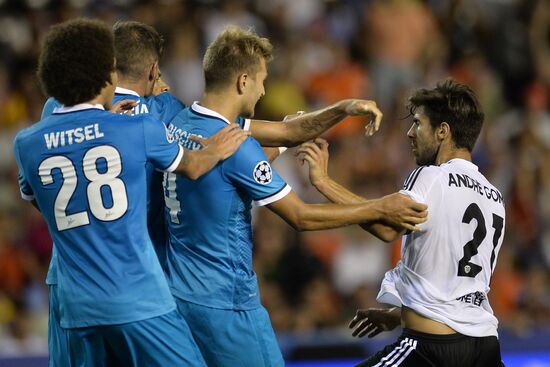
(363, 107)
(373, 321)
(226, 141)
(123, 106)
(401, 211)
(315, 153)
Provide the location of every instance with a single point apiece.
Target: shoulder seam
(411, 179)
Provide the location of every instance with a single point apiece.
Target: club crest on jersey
(169, 135)
(262, 173)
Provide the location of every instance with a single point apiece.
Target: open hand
(362, 107)
(373, 321)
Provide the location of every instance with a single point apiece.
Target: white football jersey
(445, 269)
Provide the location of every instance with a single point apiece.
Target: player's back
(446, 268)
(163, 107)
(86, 170)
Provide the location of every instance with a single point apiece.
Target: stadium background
(312, 283)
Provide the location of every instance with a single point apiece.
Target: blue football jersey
(85, 167)
(209, 258)
(163, 107)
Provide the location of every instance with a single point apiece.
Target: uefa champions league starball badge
(262, 173)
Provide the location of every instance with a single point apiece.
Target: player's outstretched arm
(218, 147)
(373, 321)
(307, 126)
(393, 209)
(316, 155)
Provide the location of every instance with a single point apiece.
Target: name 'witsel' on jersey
(162, 107)
(446, 268)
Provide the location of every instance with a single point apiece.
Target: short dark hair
(234, 51)
(137, 46)
(455, 104)
(76, 61)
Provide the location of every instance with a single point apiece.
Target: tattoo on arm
(312, 126)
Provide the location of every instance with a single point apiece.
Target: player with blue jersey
(139, 81)
(134, 65)
(136, 72)
(83, 169)
(138, 49)
(209, 262)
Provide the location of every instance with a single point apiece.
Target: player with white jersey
(450, 283)
(439, 288)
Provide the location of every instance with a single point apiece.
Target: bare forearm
(336, 193)
(310, 125)
(309, 217)
(299, 129)
(196, 163)
(326, 216)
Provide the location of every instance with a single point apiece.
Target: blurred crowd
(324, 51)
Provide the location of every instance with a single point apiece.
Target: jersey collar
(78, 107)
(462, 162)
(120, 90)
(196, 107)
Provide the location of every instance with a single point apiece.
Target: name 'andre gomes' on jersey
(463, 180)
(72, 136)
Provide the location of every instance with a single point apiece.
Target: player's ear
(443, 131)
(153, 71)
(241, 83)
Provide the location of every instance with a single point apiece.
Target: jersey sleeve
(422, 185)
(49, 106)
(250, 171)
(419, 183)
(24, 187)
(160, 148)
(243, 123)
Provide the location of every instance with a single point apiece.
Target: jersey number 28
(97, 180)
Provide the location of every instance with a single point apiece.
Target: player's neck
(104, 98)
(446, 154)
(138, 87)
(222, 104)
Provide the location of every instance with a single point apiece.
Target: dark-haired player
(439, 288)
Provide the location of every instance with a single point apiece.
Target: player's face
(160, 86)
(423, 141)
(255, 90)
